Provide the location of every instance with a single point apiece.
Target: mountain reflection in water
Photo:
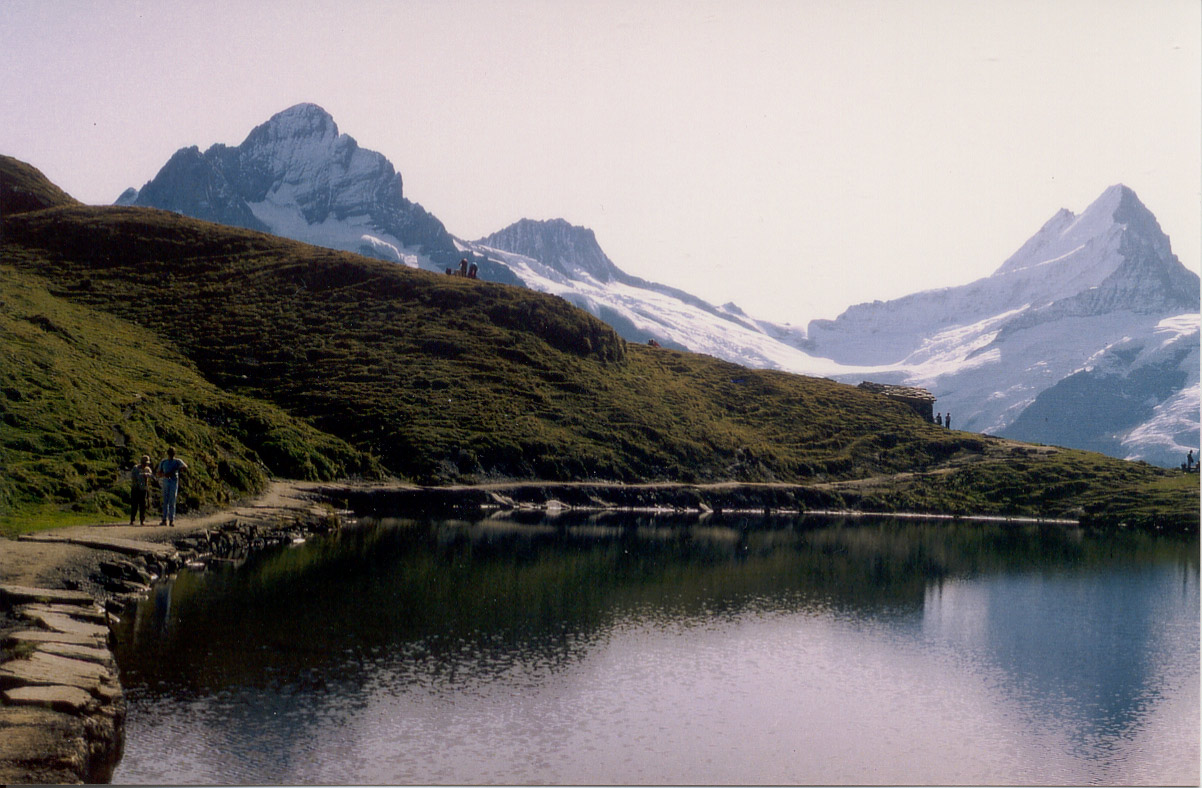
(648, 649)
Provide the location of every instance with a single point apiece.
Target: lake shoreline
(104, 569)
(62, 706)
(774, 498)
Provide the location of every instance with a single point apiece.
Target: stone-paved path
(62, 709)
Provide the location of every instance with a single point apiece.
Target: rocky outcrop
(570, 250)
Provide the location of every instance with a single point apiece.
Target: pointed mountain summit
(1072, 254)
(298, 177)
(1115, 245)
(1086, 336)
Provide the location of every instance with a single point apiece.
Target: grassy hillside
(441, 379)
(25, 188)
(86, 394)
(445, 378)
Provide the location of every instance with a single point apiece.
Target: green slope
(444, 379)
(86, 394)
(25, 188)
(451, 379)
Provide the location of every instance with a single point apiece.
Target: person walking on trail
(168, 473)
(139, 490)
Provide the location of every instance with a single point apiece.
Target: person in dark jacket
(139, 490)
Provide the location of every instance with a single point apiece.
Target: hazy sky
(793, 156)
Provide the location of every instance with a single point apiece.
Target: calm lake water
(659, 650)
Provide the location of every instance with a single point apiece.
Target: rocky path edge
(62, 708)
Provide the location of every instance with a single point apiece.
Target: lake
(676, 649)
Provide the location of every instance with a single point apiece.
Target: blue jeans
(170, 490)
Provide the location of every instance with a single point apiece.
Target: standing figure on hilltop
(1189, 461)
(168, 471)
(939, 419)
(463, 267)
(471, 271)
(139, 490)
(947, 421)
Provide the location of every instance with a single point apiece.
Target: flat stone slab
(50, 636)
(63, 623)
(93, 613)
(20, 594)
(49, 669)
(97, 654)
(41, 746)
(59, 697)
(113, 543)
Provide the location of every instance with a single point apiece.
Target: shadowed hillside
(24, 188)
(439, 378)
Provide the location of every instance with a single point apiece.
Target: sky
(792, 156)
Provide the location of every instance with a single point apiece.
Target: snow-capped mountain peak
(302, 121)
(295, 175)
(1054, 251)
(1016, 352)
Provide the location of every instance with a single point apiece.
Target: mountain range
(1087, 336)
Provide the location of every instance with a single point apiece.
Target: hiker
(939, 419)
(947, 421)
(471, 271)
(463, 267)
(139, 490)
(168, 471)
(1189, 460)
